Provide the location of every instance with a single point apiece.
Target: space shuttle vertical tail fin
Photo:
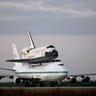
(31, 42)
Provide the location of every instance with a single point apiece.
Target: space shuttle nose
(55, 53)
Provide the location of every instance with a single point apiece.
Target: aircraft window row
(50, 46)
(61, 64)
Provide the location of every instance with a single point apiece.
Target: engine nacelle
(86, 79)
(1, 77)
(72, 79)
(16, 80)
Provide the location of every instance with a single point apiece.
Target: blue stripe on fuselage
(48, 72)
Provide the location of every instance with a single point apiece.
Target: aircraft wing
(80, 75)
(85, 77)
(7, 69)
(30, 61)
(19, 60)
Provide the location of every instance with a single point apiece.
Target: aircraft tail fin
(15, 52)
(17, 65)
(31, 42)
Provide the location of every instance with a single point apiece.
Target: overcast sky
(70, 25)
(63, 17)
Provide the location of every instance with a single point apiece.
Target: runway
(47, 88)
(64, 84)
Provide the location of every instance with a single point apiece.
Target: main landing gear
(36, 83)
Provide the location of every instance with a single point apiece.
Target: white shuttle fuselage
(31, 54)
(39, 55)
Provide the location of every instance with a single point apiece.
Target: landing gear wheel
(73, 80)
(17, 81)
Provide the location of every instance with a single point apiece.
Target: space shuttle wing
(19, 60)
(29, 61)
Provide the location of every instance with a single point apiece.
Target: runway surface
(64, 84)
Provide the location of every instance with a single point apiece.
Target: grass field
(67, 89)
(48, 92)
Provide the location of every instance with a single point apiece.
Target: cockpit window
(50, 46)
(61, 64)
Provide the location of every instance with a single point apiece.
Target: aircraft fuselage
(41, 54)
(47, 72)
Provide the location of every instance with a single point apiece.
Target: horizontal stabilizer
(7, 69)
(15, 52)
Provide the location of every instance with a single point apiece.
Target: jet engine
(86, 79)
(72, 79)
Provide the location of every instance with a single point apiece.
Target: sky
(70, 25)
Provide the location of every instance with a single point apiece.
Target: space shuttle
(33, 55)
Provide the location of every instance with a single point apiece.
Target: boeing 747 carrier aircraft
(39, 65)
(33, 75)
